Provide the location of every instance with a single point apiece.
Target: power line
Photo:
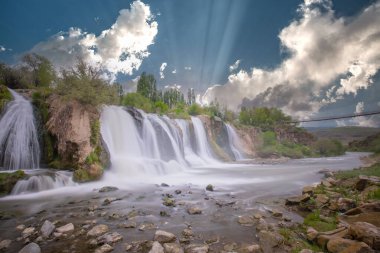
(337, 117)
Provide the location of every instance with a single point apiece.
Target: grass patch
(375, 194)
(374, 170)
(314, 220)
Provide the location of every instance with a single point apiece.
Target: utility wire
(337, 117)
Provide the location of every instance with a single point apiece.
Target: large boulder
(164, 237)
(157, 248)
(269, 241)
(364, 181)
(47, 229)
(367, 233)
(98, 230)
(340, 245)
(31, 248)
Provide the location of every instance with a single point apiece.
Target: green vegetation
(327, 147)
(373, 170)
(324, 224)
(296, 242)
(5, 97)
(267, 119)
(8, 180)
(137, 100)
(370, 144)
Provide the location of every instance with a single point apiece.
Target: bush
(327, 147)
(195, 110)
(5, 97)
(137, 100)
(160, 107)
(265, 118)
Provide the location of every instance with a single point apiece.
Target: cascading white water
(43, 182)
(234, 141)
(203, 147)
(19, 148)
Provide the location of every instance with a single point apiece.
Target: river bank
(245, 200)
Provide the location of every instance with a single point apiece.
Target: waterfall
(43, 182)
(234, 141)
(19, 148)
(203, 147)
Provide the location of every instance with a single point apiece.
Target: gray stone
(47, 229)
(109, 238)
(108, 189)
(104, 249)
(269, 240)
(337, 245)
(210, 187)
(197, 248)
(173, 248)
(66, 228)
(246, 220)
(98, 230)
(31, 248)
(164, 237)
(157, 248)
(194, 210)
(4, 244)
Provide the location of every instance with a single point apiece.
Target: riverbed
(239, 190)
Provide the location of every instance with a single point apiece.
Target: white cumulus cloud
(162, 68)
(119, 49)
(234, 66)
(174, 71)
(324, 50)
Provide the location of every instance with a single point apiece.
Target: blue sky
(198, 40)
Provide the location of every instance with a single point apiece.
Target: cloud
(119, 49)
(324, 51)
(188, 68)
(174, 71)
(3, 49)
(162, 68)
(234, 66)
(363, 121)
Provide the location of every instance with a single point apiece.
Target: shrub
(265, 118)
(5, 97)
(138, 101)
(327, 147)
(195, 109)
(161, 107)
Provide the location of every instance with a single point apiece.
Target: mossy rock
(8, 180)
(88, 173)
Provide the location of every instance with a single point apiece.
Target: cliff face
(250, 140)
(78, 143)
(294, 135)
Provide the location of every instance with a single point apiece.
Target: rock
(147, 226)
(321, 199)
(164, 237)
(66, 228)
(164, 185)
(332, 181)
(324, 237)
(4, 244)
(98, 230)
(367, 233)
(345, 204)
(269, 240)
(254, 248)
(173, 248)
(31, 248)
(187, 232)
(297, 199)
(366, 208)
(212, 240)
(262, 225)
(194, 210)
(56, 235)
(326, 183)
(157, 248)
(47, 229)
(370, 217)
(108, 201)
(276, 213)
(210, 188)
(365, 181)
(139, 246)
(246, 220)
(230, 247)
(306, 251)
(257, 215)
(128, 224)
(104, 249)
(20, 227)
(168, 202)
(178, 192)
(338, 245)
(311, 234)
(28, 232)
(108, 189)
(309, 189)
(109, 238)
(197, 248)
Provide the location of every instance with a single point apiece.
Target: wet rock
(345, 204)
(276, 213)
(332, 181)
(139, 246)
(309, 189)
(246, 220)
(173, 248)
(262, 225)
(178, 192)
(321, 199)
(254, 248)
(306, 251)
(230, 247)
(47, 229)
(325, 237)
(222, 203)
(57, 235)
(210, 188)
(108, 201)
(28, 232)
(92, 208)
(168, 202)
(39, 239)
(4, 244)
(257, 215)
(147, 226)
(164, 185)
(194, 210)
(98, 230)
(128, 224)
(326, 183)
(108, 189)
(164, 214)
(157, 248)
(212, 240)
(311, 234)
(366, 208)
(367, 233)
(269, 240)
(187, 232)
(66, 228)
(365, 181)
(31, 248)
(104, 249)
(164, 237)
(20, 227)
(197, 248)
(109, 238)
(338, 245)
(297, 199)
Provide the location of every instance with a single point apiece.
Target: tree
(190, 96)
(137, 100)
(265, 118)
(41, 70)
(146, 86)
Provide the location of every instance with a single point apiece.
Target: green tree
(265, 118)
(195, 109)
(137, 100)
(146, 86)
(41, 71)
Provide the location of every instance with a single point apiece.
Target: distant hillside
(345, 134)
(371, 143)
